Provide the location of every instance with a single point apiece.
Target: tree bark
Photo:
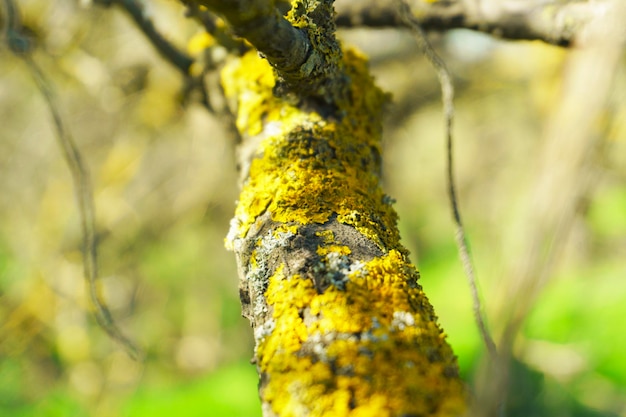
(341, 324)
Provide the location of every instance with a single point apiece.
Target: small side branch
(261, 23)
(211, 25)
(164, 47)
(300, 46)
(447, 93)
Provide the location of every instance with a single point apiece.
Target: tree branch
(341, 324)
(552, 21)
(165, 48)
(20, 45)
(564, 177)
(340, 320)
(209, 21)
(447, 98)
(301, 47)
(260, 22)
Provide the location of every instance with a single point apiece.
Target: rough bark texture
(301, 46)
(261, 24)
(341, 325)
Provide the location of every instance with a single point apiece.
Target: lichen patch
(371, 349)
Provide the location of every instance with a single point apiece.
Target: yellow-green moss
(383, 353)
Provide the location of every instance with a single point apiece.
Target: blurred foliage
(165, 185)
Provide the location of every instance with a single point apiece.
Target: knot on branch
(321, 76)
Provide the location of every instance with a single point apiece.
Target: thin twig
(165, 48)
(447, 91)
(19, 45)
(220, 33)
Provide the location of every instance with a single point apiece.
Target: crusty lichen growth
(306, 164)
(342, 327)
(321, 75)
(373, 349)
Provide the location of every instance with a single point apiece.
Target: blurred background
(165, 185)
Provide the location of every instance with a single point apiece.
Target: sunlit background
(165, 186)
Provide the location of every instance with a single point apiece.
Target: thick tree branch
(301, 46)
(552, 21)
(261, 23)
(341, 324)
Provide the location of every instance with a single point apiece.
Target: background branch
(22, 48)
(164, 47)
(447, 98)
(554, 22)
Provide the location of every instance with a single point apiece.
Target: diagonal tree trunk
(341, 325)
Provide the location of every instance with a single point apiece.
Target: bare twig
(210, 23)
(168, 51)
(80, 175)
(164, 47)
(447, 90)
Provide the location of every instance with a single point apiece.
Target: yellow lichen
(383, 305)
(358, 338)
(308, 168)
(284, 228)
(327, 236)
(339, 249)
(253, 261)
(371, 365)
